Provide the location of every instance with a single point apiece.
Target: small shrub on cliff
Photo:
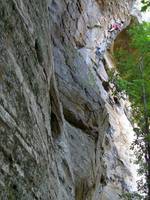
(131, 196)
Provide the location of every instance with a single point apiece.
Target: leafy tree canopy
(129, 66)
(134, 68)
(146, 5)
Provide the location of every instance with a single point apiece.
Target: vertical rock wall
(63, 135)
(101, 168)
(27, 153)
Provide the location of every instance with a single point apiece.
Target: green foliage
(131, 196)
(134, 68)
(146, 5)
(141, 37)
(121, 84)
(128, 64)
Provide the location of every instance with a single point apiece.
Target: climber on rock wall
(98, 51)
(116, 26)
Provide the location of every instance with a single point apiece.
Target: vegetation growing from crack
(130, 196)
(134, 68)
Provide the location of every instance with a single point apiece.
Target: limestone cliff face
(64, 136)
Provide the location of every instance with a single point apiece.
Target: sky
(146, 16)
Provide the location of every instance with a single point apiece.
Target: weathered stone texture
(57, 128)
(27, 161)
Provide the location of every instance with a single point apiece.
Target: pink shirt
(116, 26)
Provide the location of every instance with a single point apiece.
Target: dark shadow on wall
(56, 111)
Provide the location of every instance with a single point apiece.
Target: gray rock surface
(62, 136)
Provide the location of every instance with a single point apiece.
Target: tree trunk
(146, 128)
